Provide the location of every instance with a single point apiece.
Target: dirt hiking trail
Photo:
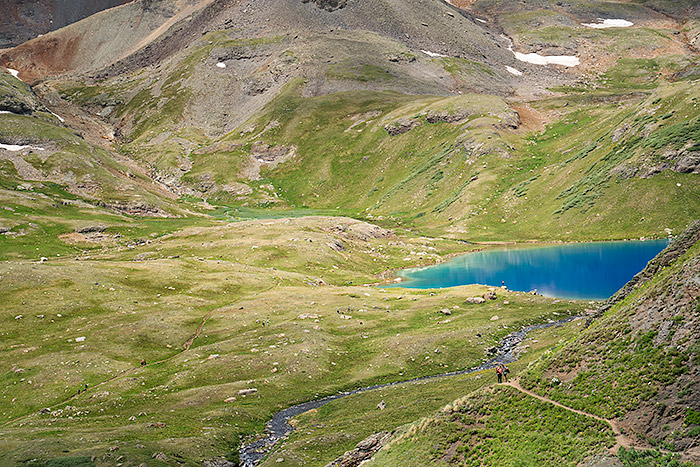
(621, 440)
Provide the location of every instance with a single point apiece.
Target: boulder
(475, 300)
(490, 295)
(446, 311)
(364, 450)
(401, 126)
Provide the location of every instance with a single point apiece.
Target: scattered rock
(446, 311)
(381, 405)
(160, 456)
(475, 300)
(157, 425)
(308, 316)
(95, 228)
(345, 317)
(238, 189)
(80, 339)
(328, 5)
(247, 392)
(230, 399)
(218, 462)
(19, 316)
(494, 318)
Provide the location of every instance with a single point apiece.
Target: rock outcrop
(328, 5)
(677, 248)
(364, 450)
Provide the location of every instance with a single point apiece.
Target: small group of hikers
(502, 373)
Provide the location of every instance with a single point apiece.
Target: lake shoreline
(572, 271)
(390, 281)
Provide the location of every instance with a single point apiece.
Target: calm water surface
(592, 271)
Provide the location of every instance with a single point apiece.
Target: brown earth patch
(531, 119)
(44, 56)
(92, 238)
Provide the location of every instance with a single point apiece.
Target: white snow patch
(536, 59)
(57, 116)
(221, 65)
(481, 20)
(609, 23)
(513, 71)
(432, 54)
(13, 72)
(15, 147)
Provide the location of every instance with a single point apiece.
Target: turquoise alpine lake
(591, 271)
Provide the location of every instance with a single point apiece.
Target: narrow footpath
(621, 440)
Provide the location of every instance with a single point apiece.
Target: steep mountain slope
(220, 117)
(52, 181)
(23, 20)
(637, 366)
(99, 40)
(640, 362)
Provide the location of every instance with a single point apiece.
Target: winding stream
(278, 428)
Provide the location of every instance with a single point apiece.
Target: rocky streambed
(278, 428)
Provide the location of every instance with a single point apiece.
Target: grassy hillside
(498, 426)
(220, 203)
(195, 305)
(639, 362)
(636, 366)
